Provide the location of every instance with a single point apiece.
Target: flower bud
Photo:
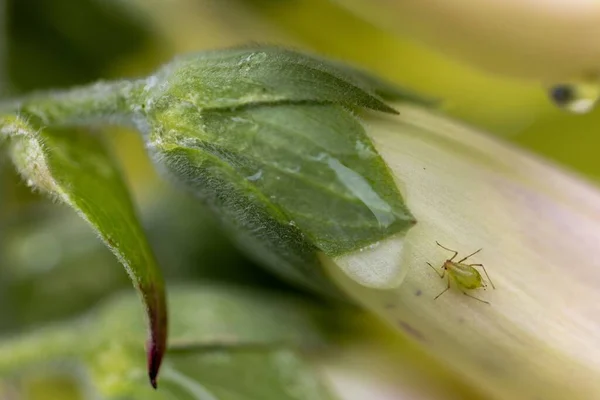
(268, 139)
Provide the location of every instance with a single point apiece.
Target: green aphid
(465, 276)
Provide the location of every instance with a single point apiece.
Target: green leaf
(264, 136)
(246, 76)
(76, 168)
(226, 342)
(289, 180)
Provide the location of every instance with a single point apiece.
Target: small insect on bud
(465, 276)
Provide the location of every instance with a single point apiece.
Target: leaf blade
(244, 76)
(310, 164)
(77, 169)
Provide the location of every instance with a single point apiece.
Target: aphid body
(465, 276)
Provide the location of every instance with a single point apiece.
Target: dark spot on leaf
(389, 306)
(411, 331)
(418, 292)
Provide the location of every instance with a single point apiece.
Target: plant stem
(106, 102)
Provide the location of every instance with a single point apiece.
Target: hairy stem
(111, 102)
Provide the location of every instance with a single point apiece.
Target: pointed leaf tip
(154, 298)
(154, 360)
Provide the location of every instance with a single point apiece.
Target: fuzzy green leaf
(290, 180)
(246, 76)
(76, 168)
(312, 166)
(264, 136)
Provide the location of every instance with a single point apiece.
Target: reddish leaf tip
(155, 355)
(156, 308)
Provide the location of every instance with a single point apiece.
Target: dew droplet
(379, 265)
(576, 97)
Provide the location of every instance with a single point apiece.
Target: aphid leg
(473, 297)
(445, 290)
(445, 248)
(486, 274)
(437, 272)
(472, 254)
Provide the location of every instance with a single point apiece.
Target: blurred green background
(51, 264)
